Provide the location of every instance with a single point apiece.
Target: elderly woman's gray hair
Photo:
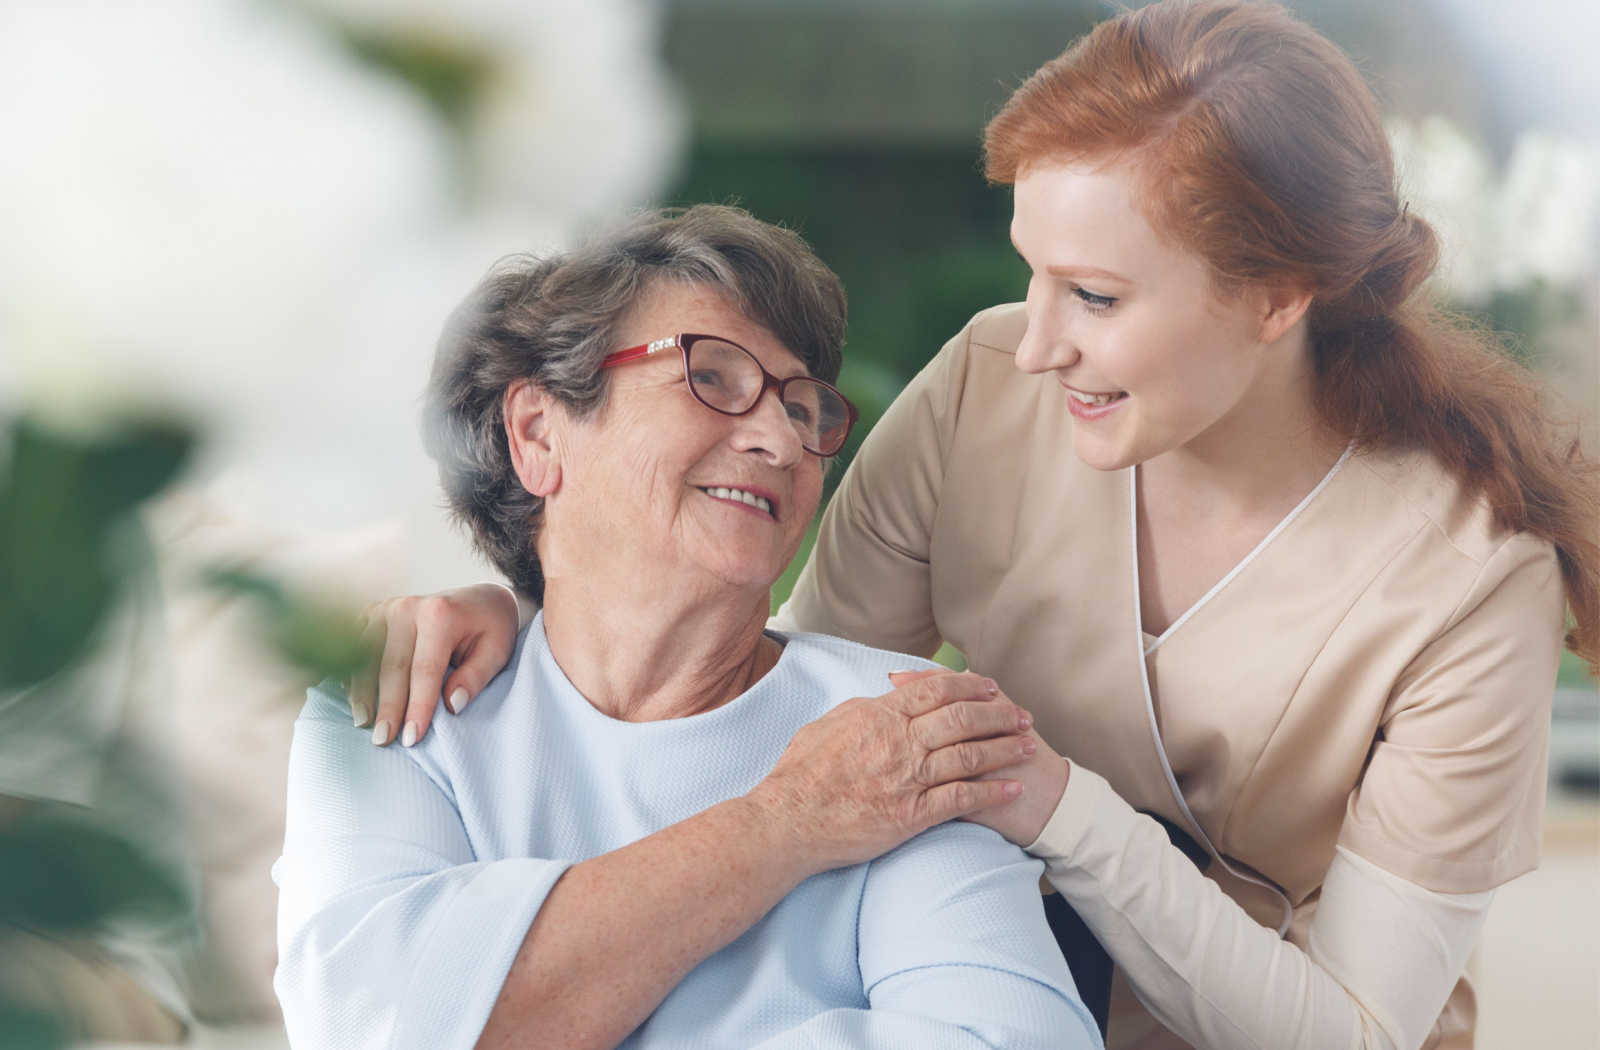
(554, 319)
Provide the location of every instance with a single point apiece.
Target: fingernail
(359, 714)
(380, 733)
(409, 736)
(991, 686)
(1028, 746)
(459, 700)
(1024, 721)
(1013, 789)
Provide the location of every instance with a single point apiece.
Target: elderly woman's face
(659, 478)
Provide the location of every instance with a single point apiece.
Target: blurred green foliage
(61, 874)
(61, 498)
(65, 499)
(67, 509)
(24, 1029)
(319, 639)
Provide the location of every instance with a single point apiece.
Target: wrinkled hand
(419, 638)
(875, 771)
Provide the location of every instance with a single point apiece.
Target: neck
(1261, 458)
(646, 657)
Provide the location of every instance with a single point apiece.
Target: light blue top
(409, 878)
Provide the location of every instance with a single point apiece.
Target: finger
(900, 678)
(936, 690)
(969, 720)
(429, 662)
(963, 797)
(364, 682)
(394, 678)
(478, 664)
(478, 659)
(973, 758)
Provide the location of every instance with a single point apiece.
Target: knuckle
(432, 609)
(971, 757)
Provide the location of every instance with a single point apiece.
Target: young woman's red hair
(1260, 149)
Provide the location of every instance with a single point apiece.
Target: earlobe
(528, 413)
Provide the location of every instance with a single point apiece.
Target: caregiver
(1300, 591)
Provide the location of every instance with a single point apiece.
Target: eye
(1095, 303)
(706, 377)
(798, 413)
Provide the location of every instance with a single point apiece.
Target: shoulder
(998, 328)
(984, 348)
(1454, 535)
(841, 668)
(1424, 489)
(976, 370)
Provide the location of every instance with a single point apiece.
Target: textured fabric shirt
(1376, 677)
(409, 878)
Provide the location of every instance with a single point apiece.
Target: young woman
(1272, 550)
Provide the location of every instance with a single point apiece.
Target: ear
(1282, 308)
(530, 420)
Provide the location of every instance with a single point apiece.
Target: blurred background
(231, 229)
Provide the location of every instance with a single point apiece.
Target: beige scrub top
(1377, 675)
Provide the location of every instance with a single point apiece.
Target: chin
(1100, 457)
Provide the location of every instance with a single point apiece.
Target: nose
(766, 430)
(1047, 343)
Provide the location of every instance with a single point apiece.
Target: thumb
(467, 681)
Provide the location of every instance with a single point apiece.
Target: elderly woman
(624, 847)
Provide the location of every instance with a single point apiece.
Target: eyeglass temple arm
(635, 352)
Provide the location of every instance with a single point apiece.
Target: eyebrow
(1076, 271)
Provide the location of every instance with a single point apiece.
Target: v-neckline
(1149, 644)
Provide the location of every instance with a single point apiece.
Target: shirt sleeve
(955, 953)
(1381, 959)
(390, 933)
(1452, 797)
(867, 578)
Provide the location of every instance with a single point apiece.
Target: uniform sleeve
(1381, 959)
(1453, 795)
(955, 953)
(867, 578)
(390, 933)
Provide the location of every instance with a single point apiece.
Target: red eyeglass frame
(684, 340)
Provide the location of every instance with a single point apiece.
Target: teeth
(1094, 399)
(742, 496)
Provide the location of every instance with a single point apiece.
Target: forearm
(1383, 954)
(618, 932)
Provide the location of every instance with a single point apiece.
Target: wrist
(1047, 793)
(772, 820)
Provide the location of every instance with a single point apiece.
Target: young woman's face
(1130, 324)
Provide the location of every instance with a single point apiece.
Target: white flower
(215, 205)
(1549, 212)
(187, 189)
(1539, 220)
(1446, 178)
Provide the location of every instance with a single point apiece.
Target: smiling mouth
(750, 499)
(1097, 400)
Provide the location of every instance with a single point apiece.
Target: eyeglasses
(727, 378)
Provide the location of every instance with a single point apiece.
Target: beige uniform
(1376, 676)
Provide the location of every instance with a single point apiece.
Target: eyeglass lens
(729, 379)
